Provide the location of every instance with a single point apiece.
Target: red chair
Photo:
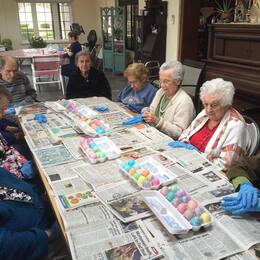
(47, 70)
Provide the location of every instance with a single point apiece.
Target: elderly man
(16, 82)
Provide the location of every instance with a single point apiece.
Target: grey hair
(225, 90)
(6, 59)
(82, 53)
(176, 67)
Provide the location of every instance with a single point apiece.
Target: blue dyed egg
(131, 163)
(170, 196)
(195, 221)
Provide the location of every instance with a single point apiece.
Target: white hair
(176, 67)
(224, 89)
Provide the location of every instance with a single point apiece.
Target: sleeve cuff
(238, 181)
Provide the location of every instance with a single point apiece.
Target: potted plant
(225, 10)
(7, 44)
(37, 42)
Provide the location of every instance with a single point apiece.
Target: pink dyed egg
(182, 207)
(164, 190)
(155, 182)
(188, 213)
(192, 204)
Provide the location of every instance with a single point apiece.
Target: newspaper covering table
(101, 211)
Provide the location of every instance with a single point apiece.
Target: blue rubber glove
(102, 109)
(40, 118)
(10, 110)
(178, 144)
(248, 195)
(235, 206)
(134, 120)
(28, 170)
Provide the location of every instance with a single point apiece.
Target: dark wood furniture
(150, 29)
(234, 54)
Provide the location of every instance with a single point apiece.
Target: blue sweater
(22, 224)
(137, 100)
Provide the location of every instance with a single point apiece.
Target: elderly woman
(86, 81)
(171, 110)
(219, 130)
(73, 48)
(139, 93)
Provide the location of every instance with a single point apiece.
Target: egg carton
(147, 173)
(177, 219)
(99, 149)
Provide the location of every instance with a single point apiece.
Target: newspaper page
(72, 145)
(53, 156)
(85, 215)
(128, 138)
(39, 139)
(112, 240)
(242, 256)
(99, 175)
(72, 193)
(62, 171)
(31, 109)
(124, 201)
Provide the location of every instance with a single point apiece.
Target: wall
(9, 22)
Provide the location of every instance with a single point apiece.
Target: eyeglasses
(213, 106)
(133, 82)
(167, 82)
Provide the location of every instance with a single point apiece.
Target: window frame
(56, 21)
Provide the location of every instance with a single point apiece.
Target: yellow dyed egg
(205, 218)
(141, 180)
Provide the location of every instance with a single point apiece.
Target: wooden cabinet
(234, 54)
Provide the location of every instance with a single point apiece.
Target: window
(65, 19)
(51, 21)
(26, 21)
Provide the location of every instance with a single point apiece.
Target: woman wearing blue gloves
(244, 175)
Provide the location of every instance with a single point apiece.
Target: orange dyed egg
(132, 171)
(145, 173)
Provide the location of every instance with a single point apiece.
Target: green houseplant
(225, 10)
(37, 42)
(7, 43)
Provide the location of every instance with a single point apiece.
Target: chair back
(46, 65)
(253, 134)
(153, 67)
(193, 79)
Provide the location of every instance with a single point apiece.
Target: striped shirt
(20, 89)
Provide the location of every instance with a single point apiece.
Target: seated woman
(139, 93)
(24, 221)
(219, 130)
(171, 110)
(86, 81)
(73, 48)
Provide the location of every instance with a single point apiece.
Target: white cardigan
(178, 115)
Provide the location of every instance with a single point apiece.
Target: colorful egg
(180, 193)
(102, 155)
(155, 182)
(146, 184)
(145, 173)
(198, 211)
(141, 180)
(131, 163)
(132, 171)
(136, 175)
(192, 204)
(188, 213)
(205, 218)
(126, 167)
(164, 190)
(88, 122)
(176, 202)
(195, 221)
(185, 199)
(170, 196)
(182, 207)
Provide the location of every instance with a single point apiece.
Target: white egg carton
(102, 144)
(156, 170)
(168, 215)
